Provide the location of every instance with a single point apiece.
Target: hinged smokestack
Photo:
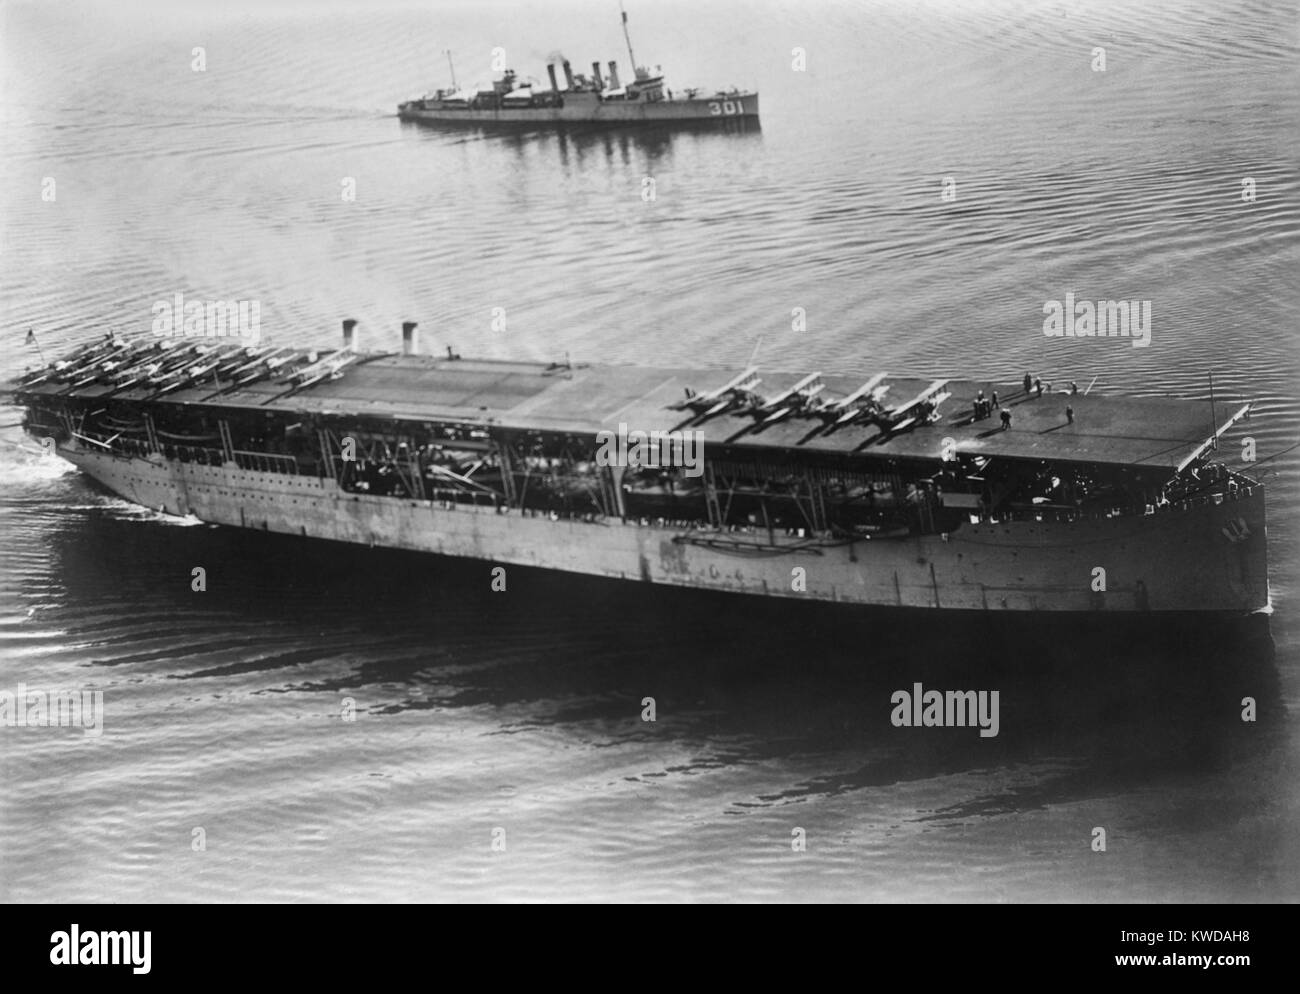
(568, 74)
(550, 71)
(613, 75)
(350, 335)
(595, 74)
(410, 338)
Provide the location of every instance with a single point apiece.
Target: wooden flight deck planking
(1156, 433)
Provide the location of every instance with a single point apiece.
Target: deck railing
(266, 462)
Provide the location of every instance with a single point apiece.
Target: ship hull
(1209, 558)
(611, 112)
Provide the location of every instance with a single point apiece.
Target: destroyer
(598, 99)
(894, 491)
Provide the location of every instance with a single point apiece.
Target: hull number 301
(719, 108)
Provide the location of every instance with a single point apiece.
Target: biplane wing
(793, 400)
(741, 382)
(930, 393)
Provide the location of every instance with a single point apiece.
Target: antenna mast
(453, 69)
(1214, 417)
(627, 38)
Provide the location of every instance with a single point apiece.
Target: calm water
(521, 711)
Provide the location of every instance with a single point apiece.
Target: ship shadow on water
(1115, 702)
(582, 142)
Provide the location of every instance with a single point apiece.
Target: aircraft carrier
(944, 495)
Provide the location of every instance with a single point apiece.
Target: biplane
(736, 394)
(863, 404)
(921, 409)
(798, 399)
